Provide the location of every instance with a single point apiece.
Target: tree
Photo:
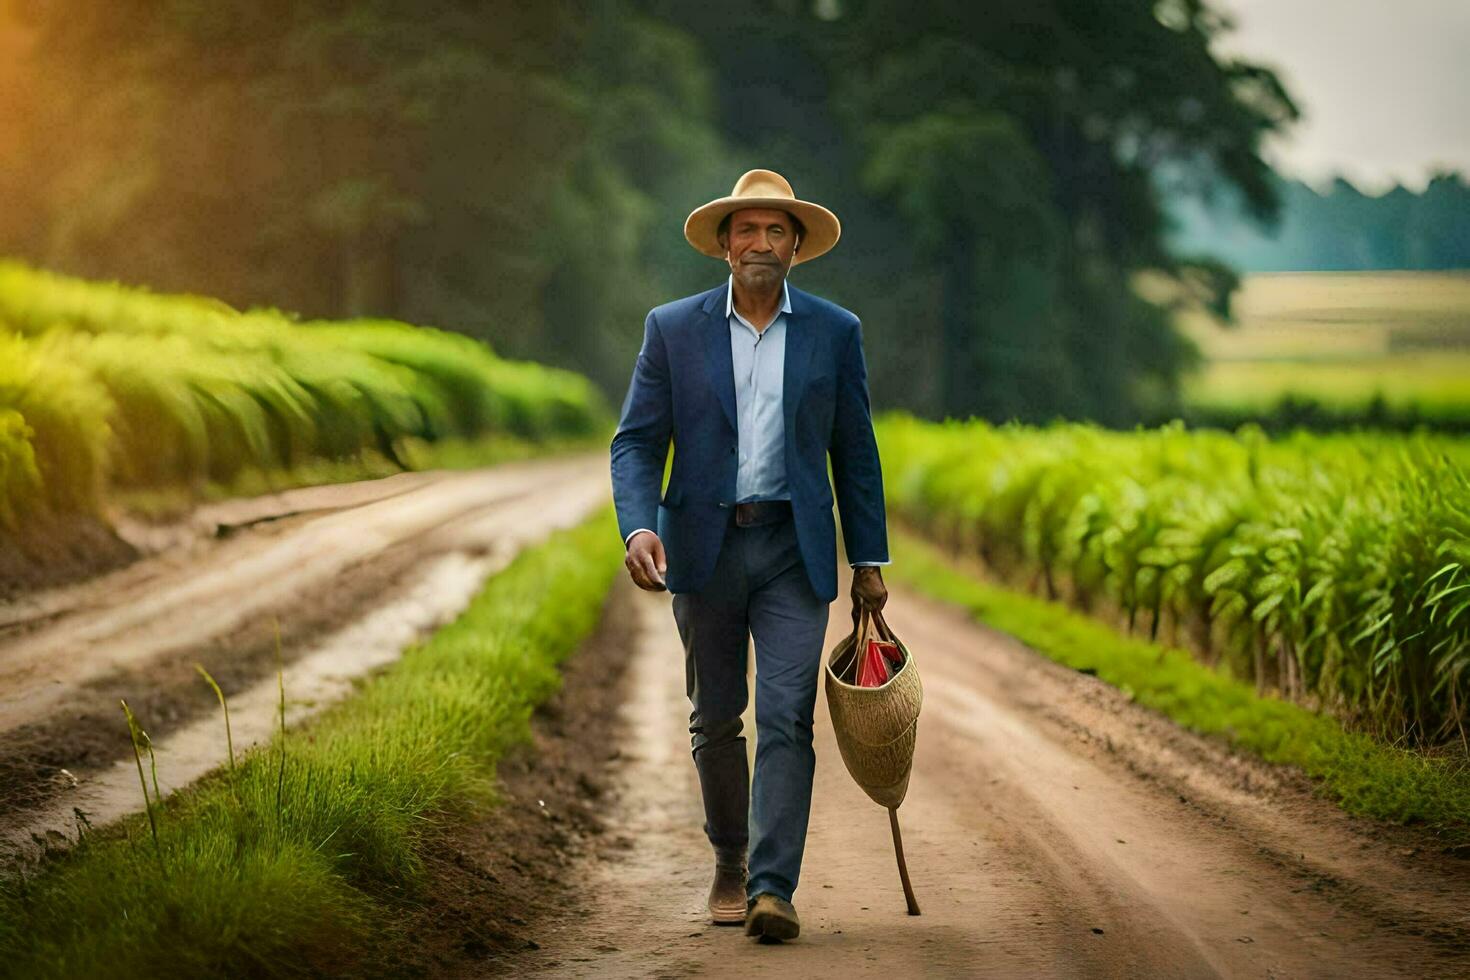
(955, 177)
(484, 165)
(1038, 128)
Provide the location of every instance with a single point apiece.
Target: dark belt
(762, 512)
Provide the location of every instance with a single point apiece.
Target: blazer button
(723, 504)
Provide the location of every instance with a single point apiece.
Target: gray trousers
(759, 588)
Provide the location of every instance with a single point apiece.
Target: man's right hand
(645, 561)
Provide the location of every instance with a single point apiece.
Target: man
(757, 384)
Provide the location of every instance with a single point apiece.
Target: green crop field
(104, 386)
(1332, 569)
(1341, 341)
(1437, 385)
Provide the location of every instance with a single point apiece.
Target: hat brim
(822, 227)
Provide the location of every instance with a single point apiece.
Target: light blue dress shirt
(759, 361)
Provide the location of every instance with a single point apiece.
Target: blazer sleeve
(856, 470)
(640, 447)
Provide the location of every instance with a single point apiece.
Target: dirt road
(1052, 827)
(352, 573)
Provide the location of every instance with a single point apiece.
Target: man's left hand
(867, 590)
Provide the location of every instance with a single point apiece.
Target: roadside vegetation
(1332, 570)
(298, 859)
(108, 389)
(1363, 774)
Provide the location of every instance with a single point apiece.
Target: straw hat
(763, 189)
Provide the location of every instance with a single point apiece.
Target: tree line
(1339, 229)
(521, 172)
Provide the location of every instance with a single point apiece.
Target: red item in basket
(880, 661)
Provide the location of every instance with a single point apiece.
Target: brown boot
(727, 894)
(772, 919)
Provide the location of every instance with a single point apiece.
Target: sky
(1383, 85)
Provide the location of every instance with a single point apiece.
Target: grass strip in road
(1364, 775)
(300, 869)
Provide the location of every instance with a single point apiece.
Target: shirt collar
(730, 298)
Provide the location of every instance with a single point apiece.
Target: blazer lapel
(716, 334)
(800, 340)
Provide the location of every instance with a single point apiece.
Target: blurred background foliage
(520, 172)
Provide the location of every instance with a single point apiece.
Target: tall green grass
(240, 886)
(103, 386)
(1332, 569)
(1360, 773)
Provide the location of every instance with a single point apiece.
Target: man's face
(760, 247)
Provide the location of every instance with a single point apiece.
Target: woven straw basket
(876, 726)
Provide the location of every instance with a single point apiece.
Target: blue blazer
(684, 387)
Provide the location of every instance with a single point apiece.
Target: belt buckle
(754, 513)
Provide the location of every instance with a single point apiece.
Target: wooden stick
(903, 868)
